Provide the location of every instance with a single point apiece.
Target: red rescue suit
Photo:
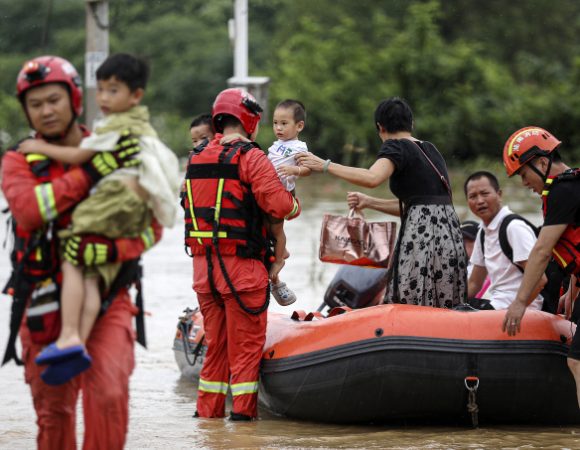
(221, 183)
(34, 201)
(566, 252)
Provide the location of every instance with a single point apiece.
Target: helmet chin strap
(59, 136)
(543, 176)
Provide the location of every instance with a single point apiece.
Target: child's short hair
(297, 106)
(202, 119)
(126, 68)
(394, 114)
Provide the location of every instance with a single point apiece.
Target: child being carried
(119, 206)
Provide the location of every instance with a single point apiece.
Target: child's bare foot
(275, 270)
(68, 341)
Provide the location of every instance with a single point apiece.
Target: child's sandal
(283, 295)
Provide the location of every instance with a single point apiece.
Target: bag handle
(355, 214)
(441, 177)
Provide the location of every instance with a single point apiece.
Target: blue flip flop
(61, 372)
(52, 354)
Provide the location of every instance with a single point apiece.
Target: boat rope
(471, 384)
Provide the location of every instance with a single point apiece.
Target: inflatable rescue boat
(403, 363)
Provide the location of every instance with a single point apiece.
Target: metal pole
(97, 49)
(46, 29)
(238, 33)
(241, 39)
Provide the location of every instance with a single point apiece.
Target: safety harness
(221, 213)
(34, 262)
(35, 279)
(566, 252)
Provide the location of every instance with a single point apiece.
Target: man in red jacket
(228, 189)
(41, 195)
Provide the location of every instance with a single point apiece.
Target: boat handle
(474, 380)
(471, 384)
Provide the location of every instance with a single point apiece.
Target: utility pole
(96, 51)
(241, 39)
(238, 30)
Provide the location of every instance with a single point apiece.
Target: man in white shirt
(484, 198)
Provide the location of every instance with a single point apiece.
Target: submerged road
(162, 403)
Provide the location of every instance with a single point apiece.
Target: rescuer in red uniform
(228, 189)
(533, 154)
(41, 194)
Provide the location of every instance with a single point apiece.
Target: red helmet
(524, 145)
(51, 69)
(238, 103)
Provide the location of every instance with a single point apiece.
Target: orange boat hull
(401, 363)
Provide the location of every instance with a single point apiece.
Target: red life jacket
(220, 210)
(566, 252)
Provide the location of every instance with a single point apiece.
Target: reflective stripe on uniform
(218, 200)
(250, 387)
(36, 311)
(148, 238)
(547, 185)
(190, 198)
(213, 387)
(294, 209)
(35, 157)
(46, 204)
(559, 258)
(207, 234)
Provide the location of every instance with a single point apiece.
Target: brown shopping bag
(354, 241)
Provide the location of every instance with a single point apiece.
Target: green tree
(473, 71)
(12, 122)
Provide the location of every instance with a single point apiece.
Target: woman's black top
(413, 175)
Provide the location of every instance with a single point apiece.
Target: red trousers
(235, 342)
(105, 386)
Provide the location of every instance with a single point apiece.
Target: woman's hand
(310, 161)
(357, 200)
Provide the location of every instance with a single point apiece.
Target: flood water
(162, 402)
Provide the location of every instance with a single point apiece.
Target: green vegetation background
(473, 71)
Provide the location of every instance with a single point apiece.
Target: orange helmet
(51, 69)
(242, 105)
(524, 145)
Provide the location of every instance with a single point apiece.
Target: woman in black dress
(430, 264)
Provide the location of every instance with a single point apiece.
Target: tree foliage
(472, 71)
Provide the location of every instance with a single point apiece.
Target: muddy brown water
(162, 402)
